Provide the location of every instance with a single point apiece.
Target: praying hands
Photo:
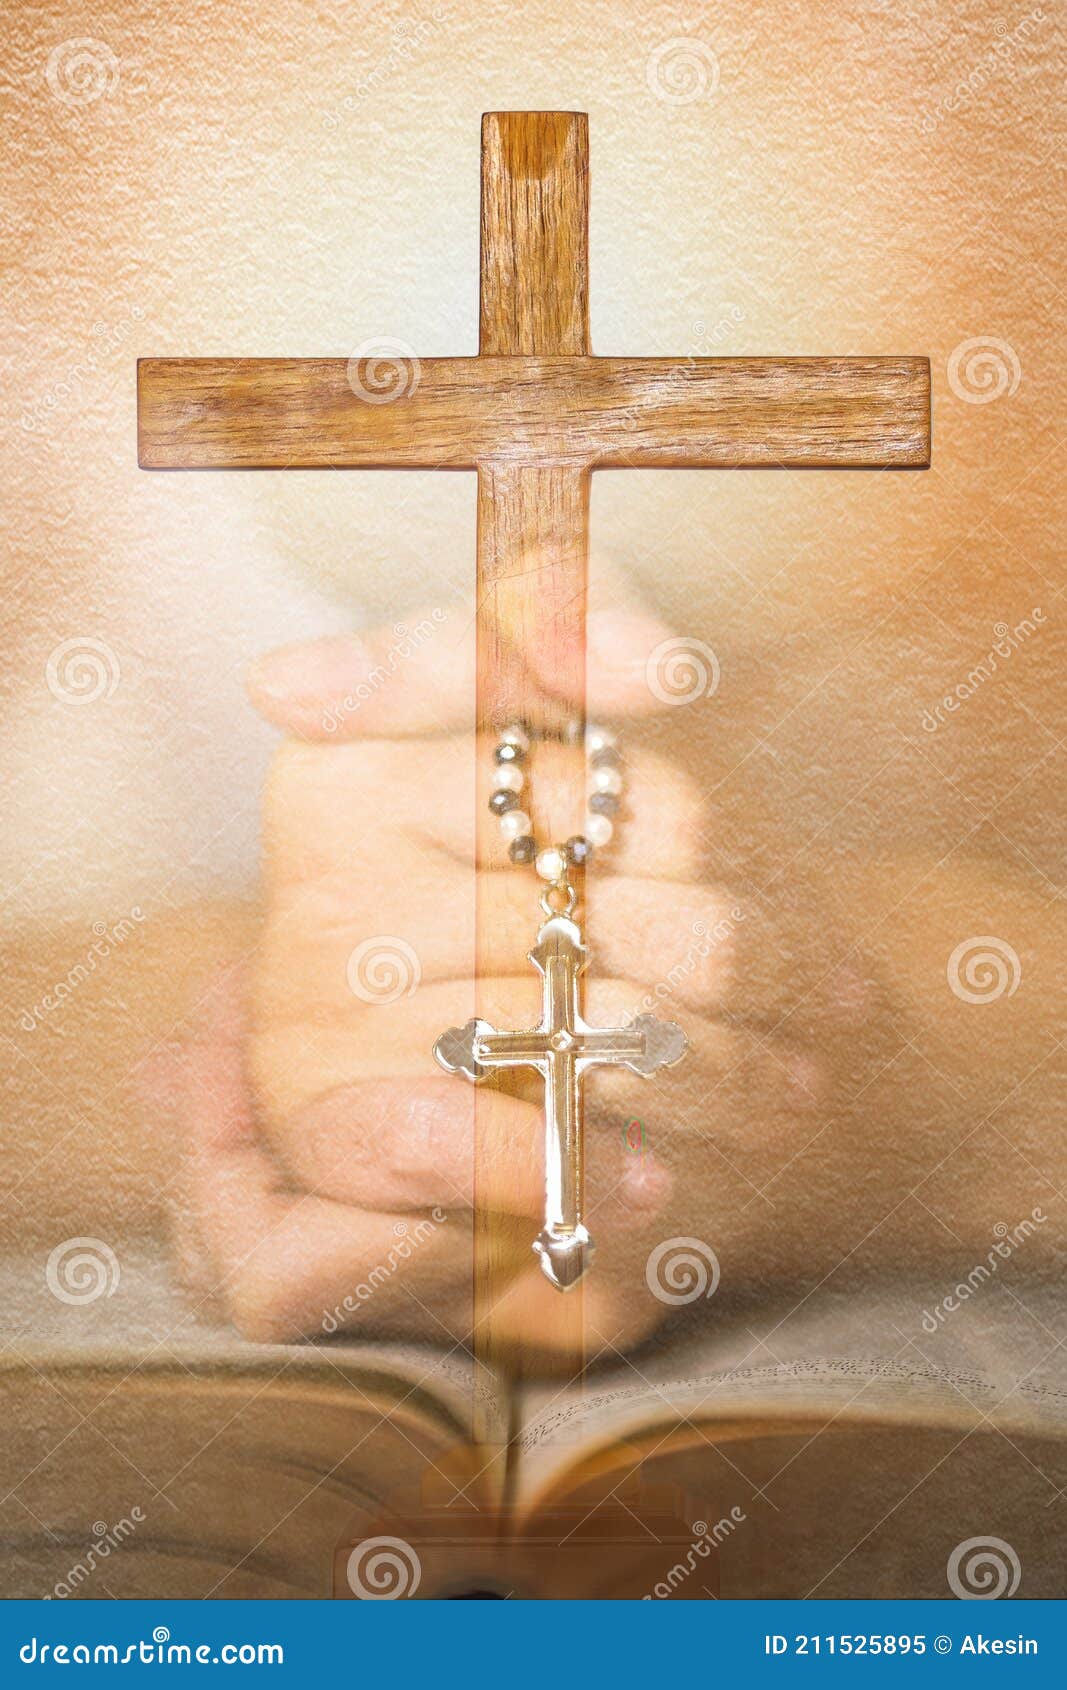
(330, 1162)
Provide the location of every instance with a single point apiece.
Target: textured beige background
(299, 177)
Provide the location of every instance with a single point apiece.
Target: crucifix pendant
(561, 1049)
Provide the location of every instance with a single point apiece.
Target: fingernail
(320, 669)
(619, 641)
(646, 1186)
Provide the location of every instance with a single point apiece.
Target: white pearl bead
(515, 824)
(598, 739)
(598, 830)
(508, 777)
(607, 780)
(551, 863)
(516, 736)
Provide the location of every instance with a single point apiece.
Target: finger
(403, 1144)
(623, 646)
(416, 677)
(286, 1263)
(393, 1042)
(678, 938)
(419, 675)
(340, 818)
(279, 1259)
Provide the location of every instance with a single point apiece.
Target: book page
(868, 1358)
(147, 1322)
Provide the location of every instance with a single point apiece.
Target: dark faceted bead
(501, 802)
(523, 849)
(603, 803)
(509, 754)
(578, 850)
(608, 758)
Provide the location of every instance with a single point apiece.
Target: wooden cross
(533, 414)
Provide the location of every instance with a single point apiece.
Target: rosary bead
(551, 863)
(509, 777)
(598, 739)
(577, 850)
(598, 829)
(517, 736)
(603, 803)
(514, 824)
(522, 850)
(608, 758)
(606, 779)
(501, 802)
(506, 752)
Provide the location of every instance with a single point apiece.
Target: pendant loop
(564, 894)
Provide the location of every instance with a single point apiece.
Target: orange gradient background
(300, 177)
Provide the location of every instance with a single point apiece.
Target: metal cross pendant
(561, 1049)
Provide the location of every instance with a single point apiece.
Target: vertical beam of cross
(533, 528)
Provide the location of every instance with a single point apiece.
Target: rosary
(562, 1046)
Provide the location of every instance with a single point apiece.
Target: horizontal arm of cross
(462, 413)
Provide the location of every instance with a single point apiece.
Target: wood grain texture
(594, 413)
(533, 542)
(535, 233)
(533, 545)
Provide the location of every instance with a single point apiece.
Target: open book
(840, 1450)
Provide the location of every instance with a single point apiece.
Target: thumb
(623, 646)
